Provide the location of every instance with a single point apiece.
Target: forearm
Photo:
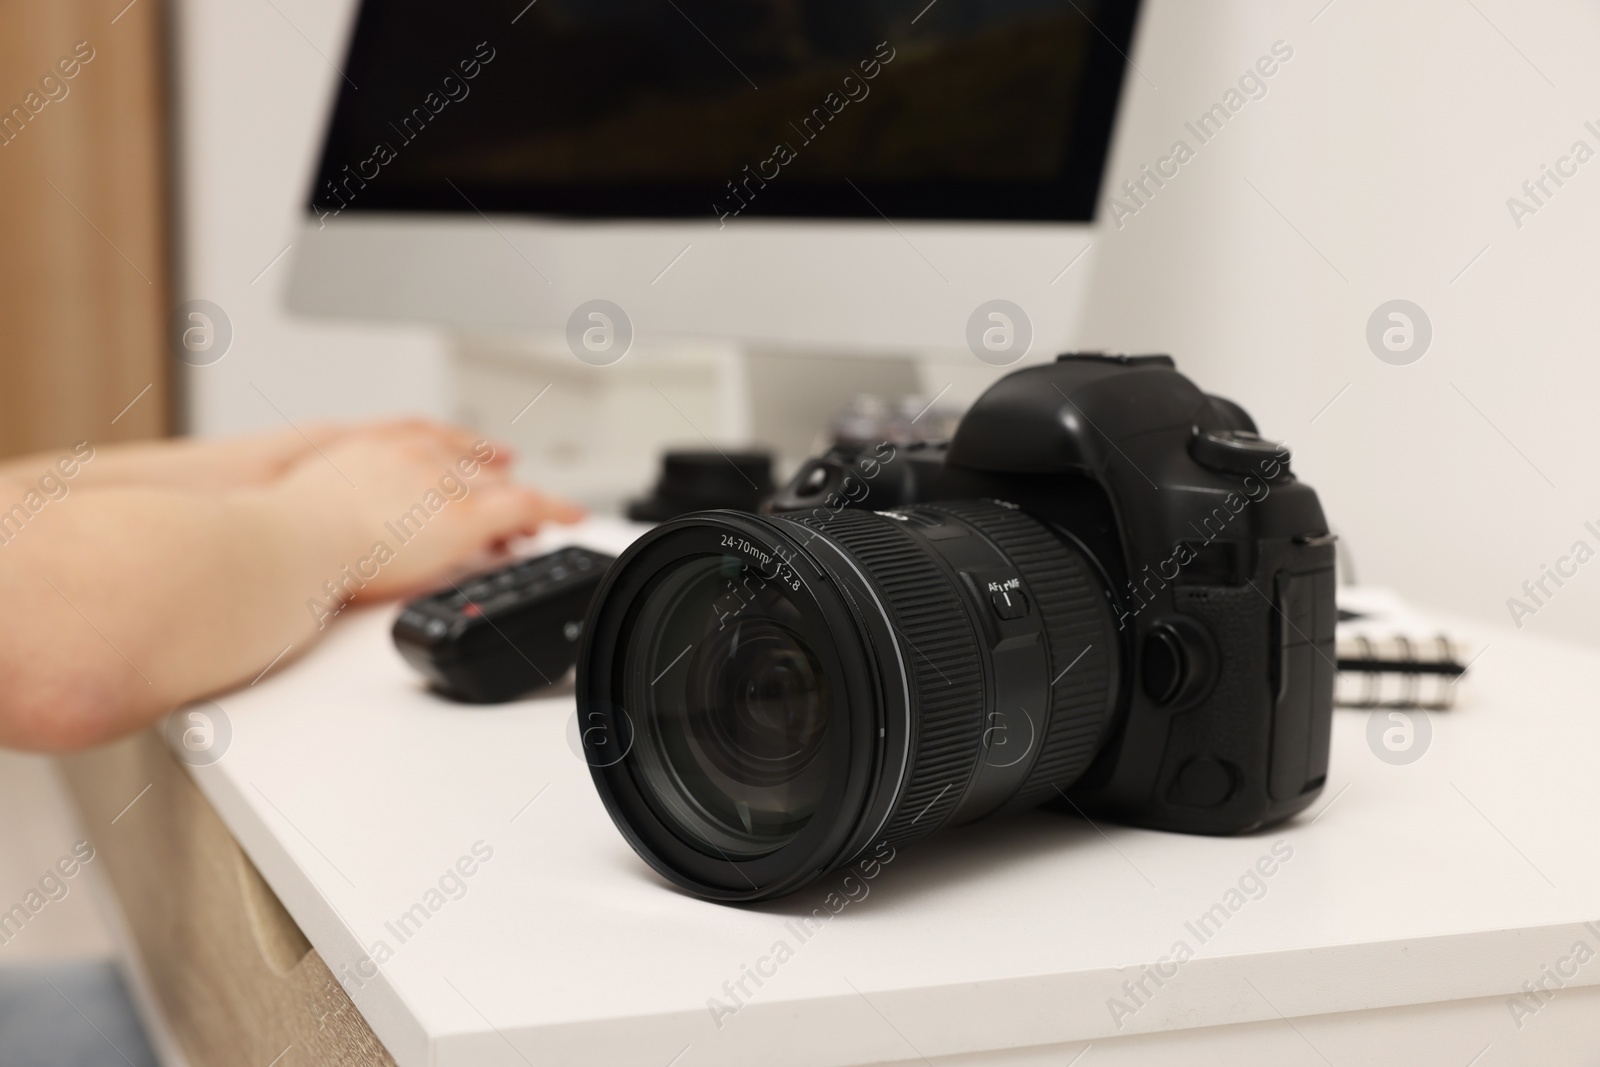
(51, 475)
(140, 599)
(123, 601)
(178, 463)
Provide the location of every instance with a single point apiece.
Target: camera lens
(800, 687)
(731, 705)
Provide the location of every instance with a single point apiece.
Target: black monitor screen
(955, 109)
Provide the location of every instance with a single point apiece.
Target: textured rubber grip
(1081, 634)
(940, 644)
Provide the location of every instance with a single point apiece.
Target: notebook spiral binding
(1397, 671)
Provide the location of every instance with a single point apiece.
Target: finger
(558, 510)
(501, 455)
(460, 440)
(510, 510)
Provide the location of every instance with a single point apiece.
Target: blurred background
(1396, 153)
(1377, 166)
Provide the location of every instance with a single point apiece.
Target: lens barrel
(771, 696)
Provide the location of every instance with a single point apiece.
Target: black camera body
(1106, 593)
(1217, 563)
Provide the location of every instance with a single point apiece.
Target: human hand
(204, 464)
(219, 465)
(398, 506)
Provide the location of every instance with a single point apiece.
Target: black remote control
(499, 635)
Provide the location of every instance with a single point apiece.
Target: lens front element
(732, 705)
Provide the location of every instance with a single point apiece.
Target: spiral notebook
(1392, 656)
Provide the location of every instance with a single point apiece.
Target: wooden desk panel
(235, 979)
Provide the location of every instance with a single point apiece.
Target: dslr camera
(1107, 593)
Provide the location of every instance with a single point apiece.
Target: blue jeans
(69, 1015)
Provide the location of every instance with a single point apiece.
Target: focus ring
(1082, 642)
(941, 650)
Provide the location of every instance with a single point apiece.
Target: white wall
(1376, 167)
(1391, 142)
(252, 97)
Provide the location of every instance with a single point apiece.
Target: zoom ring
(940, 645)
(1082, 642)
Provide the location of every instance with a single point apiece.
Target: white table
(1447, 882)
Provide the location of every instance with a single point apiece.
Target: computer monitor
(857, 174)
